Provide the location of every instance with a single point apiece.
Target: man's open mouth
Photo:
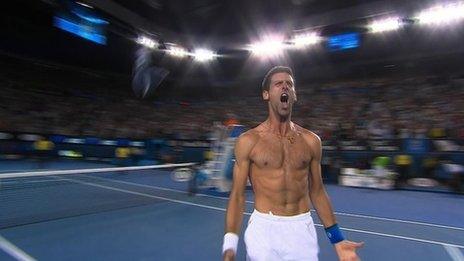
(284, 97)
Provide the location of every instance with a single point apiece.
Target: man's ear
(266, 95)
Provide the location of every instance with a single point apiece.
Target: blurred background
(124, 87)
(381, 82)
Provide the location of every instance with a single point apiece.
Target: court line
(455, 253)
(14, 251)
(15, 182)
(157, 187)
(83, 171)
(252, 202)
(398, 220)
(247, 213)
(141, 194)
(401, 237)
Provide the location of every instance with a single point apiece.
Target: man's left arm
(346, 250)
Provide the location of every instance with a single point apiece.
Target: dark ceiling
(225, 17)
(28, 31)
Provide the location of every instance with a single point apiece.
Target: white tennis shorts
(269, 237)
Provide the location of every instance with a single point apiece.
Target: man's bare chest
(281, 152)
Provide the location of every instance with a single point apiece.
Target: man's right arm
(236, 205)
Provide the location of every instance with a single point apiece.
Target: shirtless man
(282, 161)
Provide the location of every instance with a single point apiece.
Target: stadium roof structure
(228, 27)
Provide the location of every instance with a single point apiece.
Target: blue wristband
(334, 234)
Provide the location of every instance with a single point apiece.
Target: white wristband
(230, 242)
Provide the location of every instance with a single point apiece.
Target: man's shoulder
(249, 136)
(246, 142)
(308, 135)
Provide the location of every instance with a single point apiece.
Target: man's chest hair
(270, 152)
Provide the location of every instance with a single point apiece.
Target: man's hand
(346, 250)
(229, 255)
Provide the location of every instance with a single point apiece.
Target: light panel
(442, 14)
(177, 51)
(267, 47)
(306, 39)
(145, 41)
(203, 55)
(387, 24)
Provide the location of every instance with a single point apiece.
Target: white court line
(82, 171)
(28, 182)
(401, 237)
(455, 253)
(398, 220)
(14, 251)
(142, 194)
(157, 187)
(252, 202)
(247, 213)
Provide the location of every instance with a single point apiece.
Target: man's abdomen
(285, 193)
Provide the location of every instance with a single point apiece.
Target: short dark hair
(277, 69)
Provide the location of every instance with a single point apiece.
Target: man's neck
(279, 126)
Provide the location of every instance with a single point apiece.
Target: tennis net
(32, 197)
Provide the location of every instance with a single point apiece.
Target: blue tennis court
(145, 215)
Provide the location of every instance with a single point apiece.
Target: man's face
(281, 95)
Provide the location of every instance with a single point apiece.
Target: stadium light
(84, 4)
(442, 14)
(304, 40)
(203, 55)
(387, 24)
(270, 46)
(177, 51)
(143, 40)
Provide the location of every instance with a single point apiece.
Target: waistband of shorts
(270, 216)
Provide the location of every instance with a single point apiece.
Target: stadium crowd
(427, 106)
